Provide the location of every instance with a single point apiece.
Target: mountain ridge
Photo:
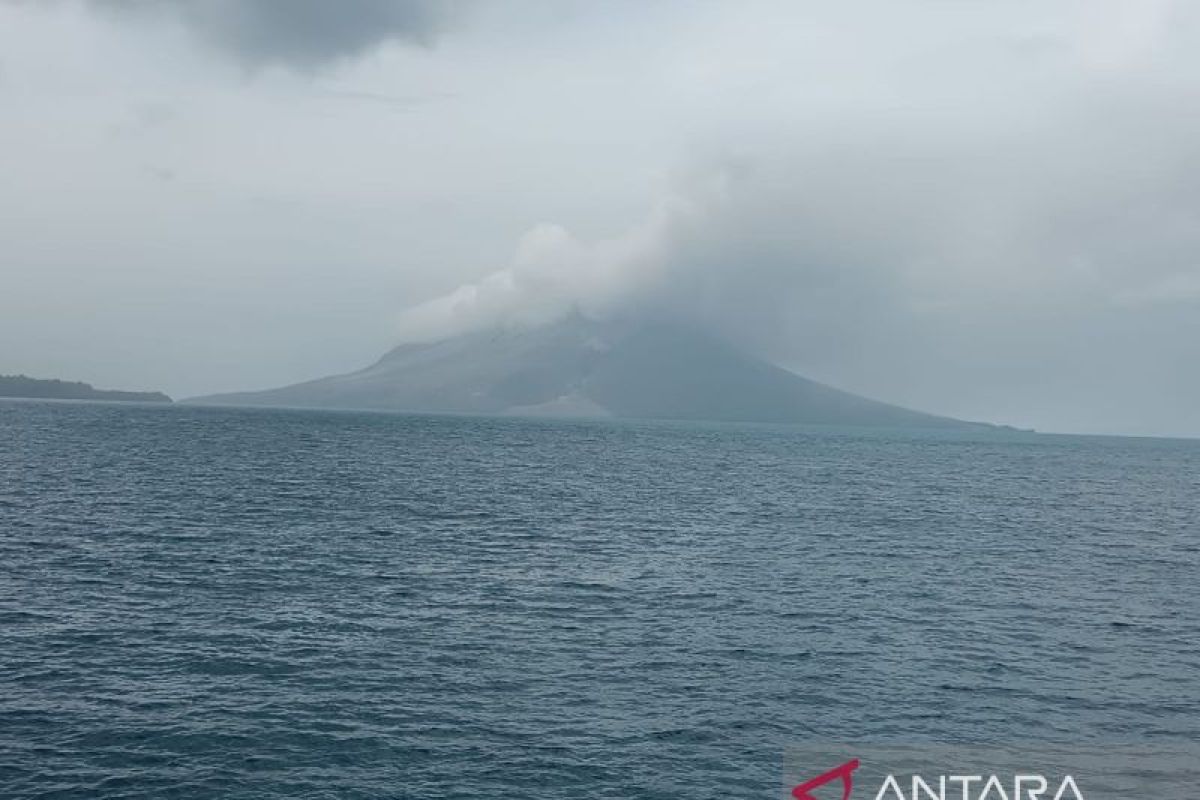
(579, 367)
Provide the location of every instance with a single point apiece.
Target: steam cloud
(859, 239)
(553, 273)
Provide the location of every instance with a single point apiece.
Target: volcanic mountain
(582, 368)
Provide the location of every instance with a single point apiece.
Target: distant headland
(35, 388)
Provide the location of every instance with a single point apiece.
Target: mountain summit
(578, 367)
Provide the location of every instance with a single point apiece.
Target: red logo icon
(801, 792)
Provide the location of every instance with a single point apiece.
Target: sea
(245, 603)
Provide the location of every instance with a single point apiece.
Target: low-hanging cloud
(1067, 213)
(301, 34)
(983, 210)
(905, 256)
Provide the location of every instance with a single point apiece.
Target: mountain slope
(582, 368)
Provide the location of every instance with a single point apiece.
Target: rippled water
(224, 603)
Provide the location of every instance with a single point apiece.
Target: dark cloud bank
(304, 34)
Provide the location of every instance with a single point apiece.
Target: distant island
(579, 367)
(33, 388)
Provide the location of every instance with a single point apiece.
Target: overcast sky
(983, 209)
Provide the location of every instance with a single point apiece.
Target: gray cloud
(1094, 207)
(912, 262)
(984, 210)
(304, 34)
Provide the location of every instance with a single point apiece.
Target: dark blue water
(212, 603)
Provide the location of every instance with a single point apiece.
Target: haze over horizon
(990, 212)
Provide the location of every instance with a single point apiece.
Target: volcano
(582, 368)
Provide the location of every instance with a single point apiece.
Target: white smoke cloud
(553, 273)
(840, 236)
(912, 261)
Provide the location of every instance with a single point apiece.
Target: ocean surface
(211, 603)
